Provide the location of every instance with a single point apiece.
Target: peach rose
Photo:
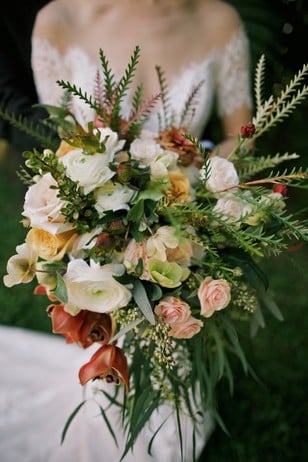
(49, 246)
(64, 148)
(182, 253)
(214, 295)
(173, 310)
(186, 329)
(179, 186)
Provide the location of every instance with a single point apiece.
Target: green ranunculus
(167, 274)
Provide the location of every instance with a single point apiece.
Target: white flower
(113, 196)
(89, 170)
(164, 238)
(43, 208)
(223, 175)
(21, 267)
(111, 141)
(232, 207)
(93, 287)
(145, 150)
(163, 162)
(83, 243)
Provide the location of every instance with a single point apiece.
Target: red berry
(248, 130)
(281, 188)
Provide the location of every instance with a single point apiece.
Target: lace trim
(225, 71)
(233, 77)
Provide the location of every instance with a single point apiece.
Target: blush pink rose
(214, 295)
(185, 329)
(173, 310)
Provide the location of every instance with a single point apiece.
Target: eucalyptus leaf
(142, 300)
(60, 290)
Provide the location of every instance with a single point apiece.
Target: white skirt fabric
(39, 390)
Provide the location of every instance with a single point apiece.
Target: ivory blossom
(93, 287)
(223, 175)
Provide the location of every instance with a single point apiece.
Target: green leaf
(70, 419)
(60, 290)
(141, 298)
(126, 329)
(109, 426)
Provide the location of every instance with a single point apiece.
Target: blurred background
(266, 419)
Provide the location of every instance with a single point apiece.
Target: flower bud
(248, 130)
(281, 188)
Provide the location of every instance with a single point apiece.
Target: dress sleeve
(233, 74)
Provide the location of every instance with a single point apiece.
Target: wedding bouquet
(149, 245)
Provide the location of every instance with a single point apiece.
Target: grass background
(266, 419)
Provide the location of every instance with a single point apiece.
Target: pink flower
(187, 329)
(214, 295)
(173, 310)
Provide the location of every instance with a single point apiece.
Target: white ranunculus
(233, 208)
(145, 151)
(93, 287)
(223, 175)
(113, 196)
(89, 170)
(43, 208)
(21, 267)
(111, 141)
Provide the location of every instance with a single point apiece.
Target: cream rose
(187, 329)
(93, 287)
(21, 267)
(173, 310)
(223, 175)
(111, 141)
(214, 295)
(232, 208)
(43, 208)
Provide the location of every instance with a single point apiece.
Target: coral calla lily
(109, 363)
(85, 328)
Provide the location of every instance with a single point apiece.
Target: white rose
(164, 161)
(111, 141)
(43, 208)
(22, 266)
(89, 170)
(232, 207)
(145, 151)
(113, 196)
(93, 287)
(222, 175)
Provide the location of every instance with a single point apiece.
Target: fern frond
(138, 118)
(189, 108)
(123, 86)
(73, 90)
(255, 165)
(109, 79)
(39, 131)
(163, 87)
(272, 112)
(259, 81)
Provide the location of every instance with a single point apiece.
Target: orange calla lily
(109, 363)
(85, 328)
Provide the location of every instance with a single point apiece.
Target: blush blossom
(187, 329)
(22, 266)
(42, 206)
(173, 310)
(214, 295)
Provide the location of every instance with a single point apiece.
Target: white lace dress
(39, 387)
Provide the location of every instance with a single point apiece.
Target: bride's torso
(179, 43)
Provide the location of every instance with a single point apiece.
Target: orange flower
(179, 186)
(109, 363)
(85, 328)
